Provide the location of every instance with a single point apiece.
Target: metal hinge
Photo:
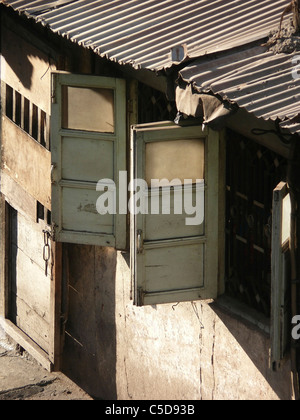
(53, 168)
(140, 241)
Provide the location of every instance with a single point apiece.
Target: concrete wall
(26, 68)
(193, 350)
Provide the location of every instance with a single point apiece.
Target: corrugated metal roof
(143, 32)
(265, 84)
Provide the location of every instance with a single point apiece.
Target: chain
(46, 250)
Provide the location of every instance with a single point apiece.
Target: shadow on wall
(90, 350)
(256, 345)
(89, 357)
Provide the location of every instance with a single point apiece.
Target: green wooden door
(88, 143)
(174, 252)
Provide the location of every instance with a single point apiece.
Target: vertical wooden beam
(30, 118)
(55, 338)
(14, 101)
(47, 131)
(3, 99)
(3, 257)
(38, 122)
(132, 119)
(222, 212)
(22, 112)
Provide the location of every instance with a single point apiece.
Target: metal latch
(46, 250)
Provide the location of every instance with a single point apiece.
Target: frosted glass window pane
(176, 159)
(88, 109)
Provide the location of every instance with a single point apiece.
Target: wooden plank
(79, 212)
(47, 131)
(31, 241)
(4, 241)
(27, 162)
(36, 327)
(32, 286)
(157, 226)
(29, 345)
(55, 330)
(120, 159)
(17, 197)
(187, 264)
(3, 93)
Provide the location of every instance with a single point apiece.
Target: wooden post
(56, 339)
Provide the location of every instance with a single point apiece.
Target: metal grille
(154, 106)
(252, 174)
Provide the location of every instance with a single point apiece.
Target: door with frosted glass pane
(88, 145)
(174, 237)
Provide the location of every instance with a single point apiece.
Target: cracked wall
(188, 351)
(191, 350)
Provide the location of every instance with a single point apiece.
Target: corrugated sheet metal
(265, 84)
(143, 32)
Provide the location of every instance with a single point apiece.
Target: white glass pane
(176, 159)
(88, 109)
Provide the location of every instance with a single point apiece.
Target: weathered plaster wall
(189, 351)
(26, 68)
(24, 180)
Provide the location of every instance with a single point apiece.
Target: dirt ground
(22, 378)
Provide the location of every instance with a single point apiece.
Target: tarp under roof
(156, 34)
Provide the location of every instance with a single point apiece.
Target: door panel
(175, 258)
(88, 139)
(29, 286)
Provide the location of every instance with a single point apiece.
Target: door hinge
(140, 241)
(53, 168)
(53, 232)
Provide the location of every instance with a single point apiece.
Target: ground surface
(22, 378)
